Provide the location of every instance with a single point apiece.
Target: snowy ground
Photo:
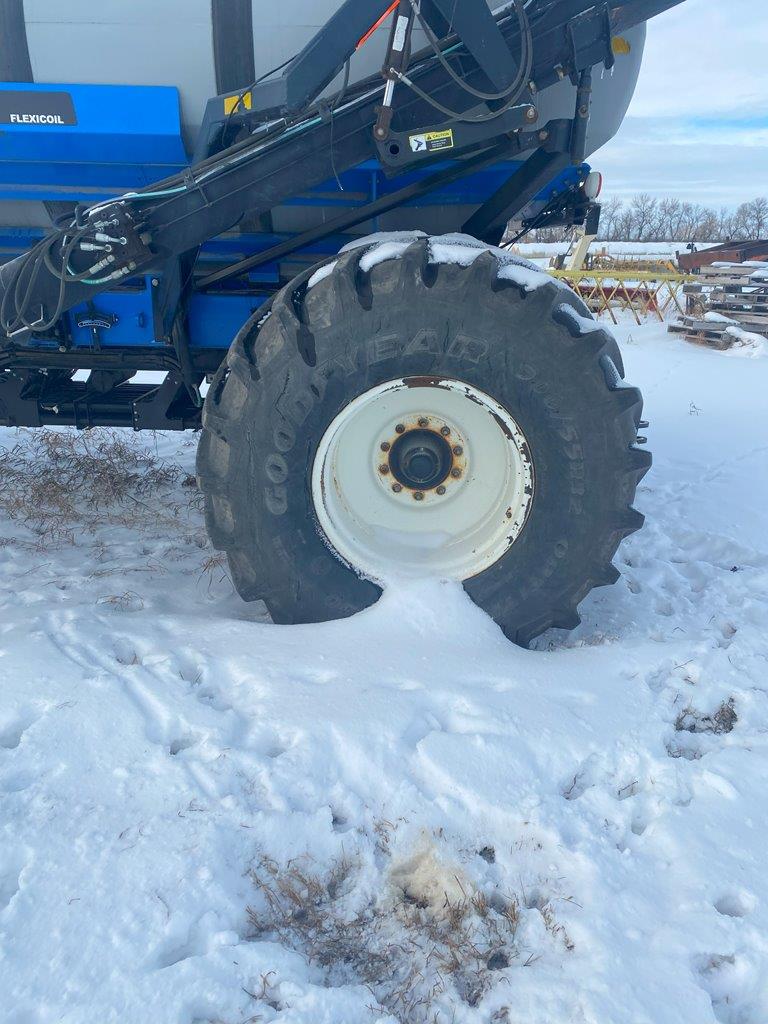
(398, 817)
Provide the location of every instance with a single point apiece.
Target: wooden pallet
(738, 292)
(703, 332)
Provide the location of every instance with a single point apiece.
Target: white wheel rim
(381, 521)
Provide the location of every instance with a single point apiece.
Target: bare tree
(646, 218)
(752, 218)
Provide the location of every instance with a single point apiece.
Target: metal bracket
(584, 31)
(489, 220)
(404, 150)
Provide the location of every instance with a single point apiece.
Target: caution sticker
(430, 142)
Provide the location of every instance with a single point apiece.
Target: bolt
(458, 450)
(418, 496)
(543, 135)
(155, 282)
(423, 421)
(384, 468)
(456, 473)
(441, 489)
(399, 429)
(531, 114)
(445, 431)
(385, 446)
(397, 488)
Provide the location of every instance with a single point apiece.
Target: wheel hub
(421, 459)
(422, 476)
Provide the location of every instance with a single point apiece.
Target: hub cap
(421, 459)
(422, 476)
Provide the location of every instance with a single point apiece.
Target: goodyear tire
(342, 402)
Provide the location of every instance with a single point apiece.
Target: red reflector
(372, 29)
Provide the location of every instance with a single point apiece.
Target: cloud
(717, 167)
(698, 124)
(706, 58)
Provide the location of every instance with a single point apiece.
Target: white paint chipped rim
(379, 529)
(449, 248)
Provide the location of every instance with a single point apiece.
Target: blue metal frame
(127, 137)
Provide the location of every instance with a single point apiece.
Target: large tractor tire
(427, 408)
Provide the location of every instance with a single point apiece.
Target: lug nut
(441, 489)
(456, 473)
(385, 446)
(397, 488)
(418, 496)
(384, 468)
(400, 429)
(458, 450)
(445, 431)
(423, 421)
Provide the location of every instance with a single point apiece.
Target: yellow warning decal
(240, 101)
(430, 142)
(620, 45)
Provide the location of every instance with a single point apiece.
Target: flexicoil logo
(37, 119)
(36, 108)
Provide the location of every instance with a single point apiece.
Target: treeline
(645, 218)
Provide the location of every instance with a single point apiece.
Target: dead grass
(419, 958)
(58, 483)
(720, 722)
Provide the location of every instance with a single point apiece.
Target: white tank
(208, 47)
(174, 42)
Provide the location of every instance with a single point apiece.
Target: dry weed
(419, 961)
(58, 483)
(720, 722)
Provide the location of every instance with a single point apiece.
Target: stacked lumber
(730, 300)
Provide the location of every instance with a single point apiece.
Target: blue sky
(698, 124)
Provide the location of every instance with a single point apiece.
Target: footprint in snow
(13, 729)
(16, 782)
(12, 866)
(735, 903)
(586, 776)
(182, 743)
(728, 979)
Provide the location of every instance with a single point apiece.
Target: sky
(697, 127)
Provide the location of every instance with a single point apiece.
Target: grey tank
(171, 42)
